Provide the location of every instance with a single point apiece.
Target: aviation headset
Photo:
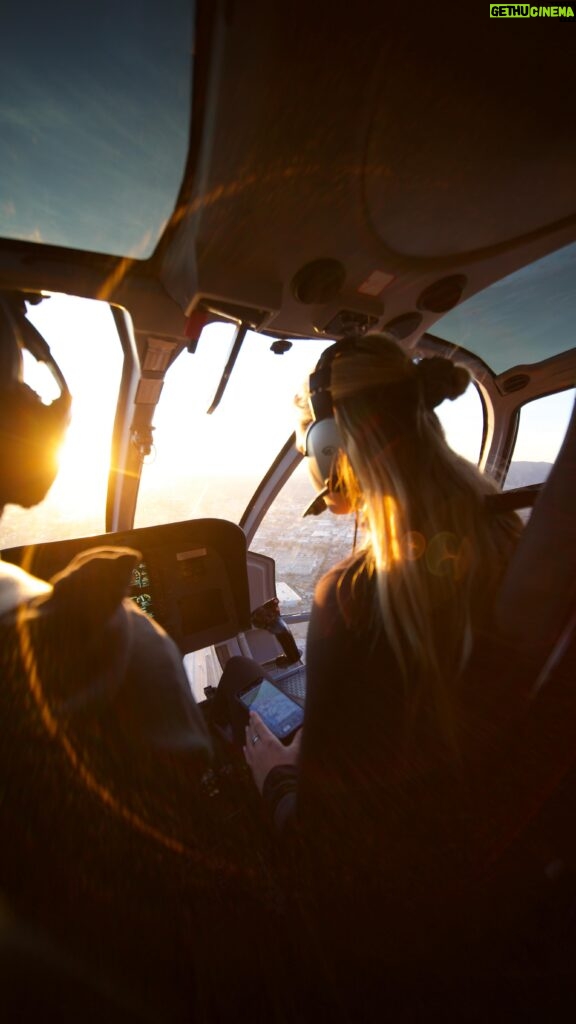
(29, 430)
(431, 385)
(436, 379)
(323, 440)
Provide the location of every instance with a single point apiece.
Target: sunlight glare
(84, 342)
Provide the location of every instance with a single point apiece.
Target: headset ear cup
(323, 442)
(30, 435)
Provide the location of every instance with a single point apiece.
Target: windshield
(201, 465)
(210, 465)
(75, 506)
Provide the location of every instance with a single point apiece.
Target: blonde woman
(371, 781)
(392, 626)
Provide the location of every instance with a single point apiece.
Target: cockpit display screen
(140, 590)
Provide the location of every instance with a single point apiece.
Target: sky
(79, 163)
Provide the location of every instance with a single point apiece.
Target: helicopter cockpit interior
(198, 198)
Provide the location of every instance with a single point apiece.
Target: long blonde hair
(433, 548)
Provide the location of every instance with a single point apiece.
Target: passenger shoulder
(342, 590)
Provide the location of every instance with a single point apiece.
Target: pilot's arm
(289, 776)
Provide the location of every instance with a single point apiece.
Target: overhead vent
(443, 294)
(517, 382)
(348, 321)
(318, 282)
(403, 326)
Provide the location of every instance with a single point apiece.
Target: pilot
(103, 747)
(84, 605)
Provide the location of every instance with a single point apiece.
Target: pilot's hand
(263, 751)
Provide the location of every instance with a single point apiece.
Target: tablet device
(280, 713)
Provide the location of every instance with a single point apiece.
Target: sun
(84, 462)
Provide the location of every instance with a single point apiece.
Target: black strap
(517, 497)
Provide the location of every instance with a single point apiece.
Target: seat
(518, 710)
(537, 601)
(527, 650)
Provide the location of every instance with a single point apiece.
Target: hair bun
(440, 379)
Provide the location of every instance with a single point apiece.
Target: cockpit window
(303, 549)
(463, 422)
(94, 121)
(543, 424)
(210, 465)
(85, 344)
(524, 318)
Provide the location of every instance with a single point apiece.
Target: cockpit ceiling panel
(479, 151)
(399, 148)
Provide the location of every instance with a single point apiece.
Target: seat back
(519, 705)
(537, 600)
